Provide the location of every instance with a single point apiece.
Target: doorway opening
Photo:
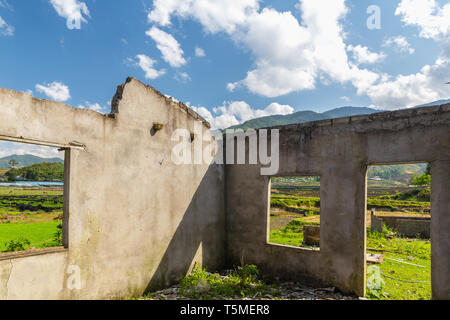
(398, 232)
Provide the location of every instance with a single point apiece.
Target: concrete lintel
(70, 145)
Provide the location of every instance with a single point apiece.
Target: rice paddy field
(30, 217)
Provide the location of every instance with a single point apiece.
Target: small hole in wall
(295, 211)
(156, 127)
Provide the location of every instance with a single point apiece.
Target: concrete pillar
(440, 229)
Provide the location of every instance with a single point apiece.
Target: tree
(422, 180)
(13, 163)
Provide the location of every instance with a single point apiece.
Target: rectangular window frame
(67, 148)
(269, 192)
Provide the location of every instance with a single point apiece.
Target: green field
(291, 234)
(29, 218)
(40, 234)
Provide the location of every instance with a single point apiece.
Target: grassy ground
(39, 235)
(292, 234)
(29, 217)
(416, 253)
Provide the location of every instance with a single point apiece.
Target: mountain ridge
(308, 116)
(304, 116)
(26, 160)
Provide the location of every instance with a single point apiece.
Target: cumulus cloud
(73, 10)
(364, 55)
(215, 16)
(199, 52)
(400, 44)
(303, 52)
(146, 64)
(298, 53)
(237, 112)
(414, 89)
(432, 19)
(170, 48)
(6, 29)
(55, 90)
(10, 148)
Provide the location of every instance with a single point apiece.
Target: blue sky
(231, 60)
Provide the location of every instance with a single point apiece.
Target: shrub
(19, 244)
(200, 284)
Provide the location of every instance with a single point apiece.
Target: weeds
(19, 244)
(242, 282)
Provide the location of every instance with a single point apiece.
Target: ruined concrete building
(135, 221)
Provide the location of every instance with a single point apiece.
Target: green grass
(242, 282)
(17, 191)
(36, 233)
(292, 234)
(412, 251)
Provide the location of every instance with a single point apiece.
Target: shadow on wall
(200, 236)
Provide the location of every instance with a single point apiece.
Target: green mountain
(26, 160)
(303, 116)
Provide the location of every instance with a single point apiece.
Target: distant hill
(37, 172)
(26, 160)
(308, 116)
(349, 112)
(434, 103)
(304, 116)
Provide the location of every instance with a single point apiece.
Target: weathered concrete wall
(135, 220)
(339, 151)
(407, 226)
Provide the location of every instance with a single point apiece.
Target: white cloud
(298, 54)
(199, 52)
(410, 90)
(10, 148)
(175, 99)
(6, 29)
(92, 106)
(345, 98)
(182, 77)
(55, 90)
(73, 10)
(364, 55)
(432, 19)
(214, 15)
(232, 86)
(5, 4)
(400, 43)
(237, 112)
(146, 64)
(302, 52)
(168, 45)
